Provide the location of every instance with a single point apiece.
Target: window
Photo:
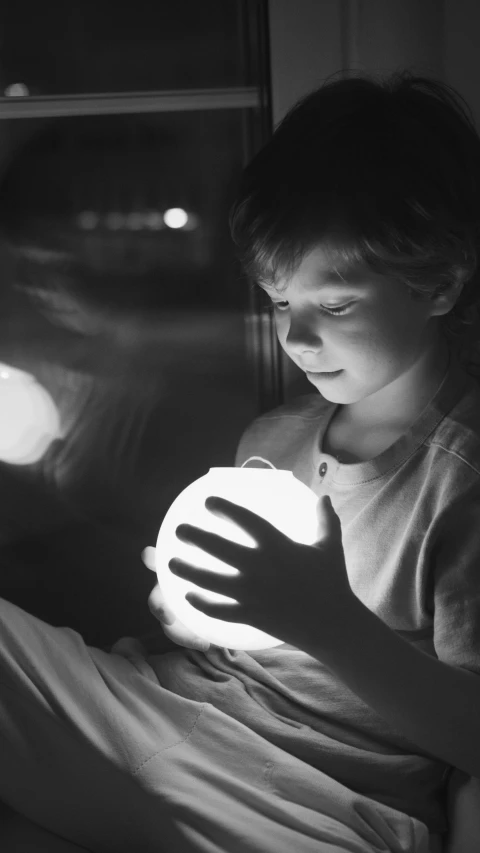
(123, 140)
(87, 46)
(123, 133)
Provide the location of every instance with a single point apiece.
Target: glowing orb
(276, 495)
(29, 419)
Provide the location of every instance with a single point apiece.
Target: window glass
(88, 46)
(122, 298)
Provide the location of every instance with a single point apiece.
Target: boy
(359, 219)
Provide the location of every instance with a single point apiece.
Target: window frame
(107, 103)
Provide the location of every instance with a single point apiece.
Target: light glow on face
(383, 342)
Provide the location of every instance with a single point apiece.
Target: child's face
(382, 334)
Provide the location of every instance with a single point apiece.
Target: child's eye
(340, 309)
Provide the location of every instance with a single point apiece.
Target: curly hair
(396, 161)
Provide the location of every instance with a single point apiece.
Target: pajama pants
(94, 749)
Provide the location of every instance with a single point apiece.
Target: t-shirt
(410, 525)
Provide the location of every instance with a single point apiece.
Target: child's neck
(399, 404)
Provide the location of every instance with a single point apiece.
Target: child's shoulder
(280, 429)
(306, 408)
(458, 432)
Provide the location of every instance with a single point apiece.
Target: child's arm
(434, 703)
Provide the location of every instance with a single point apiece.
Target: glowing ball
(29, 419)
(276, 495)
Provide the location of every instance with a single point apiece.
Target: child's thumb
(148, 557)
(328, 520)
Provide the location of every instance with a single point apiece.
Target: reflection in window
(120, 296)
(123, 300)
(122, 251)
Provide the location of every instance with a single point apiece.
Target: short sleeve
(456, 585)
(240, 455)
(251, 440)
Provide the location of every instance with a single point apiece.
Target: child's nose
(303, 335)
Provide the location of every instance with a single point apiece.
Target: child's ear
(444, 302)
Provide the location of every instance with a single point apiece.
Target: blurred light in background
(139, 220)
(134, 221)
(154, 220)
(29, 419)
(175, 217)
(16, 90)
(88, 220)
(114, 221)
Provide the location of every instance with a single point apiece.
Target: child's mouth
(330, 375)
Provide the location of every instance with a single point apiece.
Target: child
(359, 219)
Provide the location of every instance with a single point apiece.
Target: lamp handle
(260, 459)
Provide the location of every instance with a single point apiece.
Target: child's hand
(172, 627)
(298, 593)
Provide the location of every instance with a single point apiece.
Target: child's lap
(93, 747)
(75, 725)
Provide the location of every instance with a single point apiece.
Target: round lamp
(29, 419)
(276, 495)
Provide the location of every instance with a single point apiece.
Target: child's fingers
(148, 557)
